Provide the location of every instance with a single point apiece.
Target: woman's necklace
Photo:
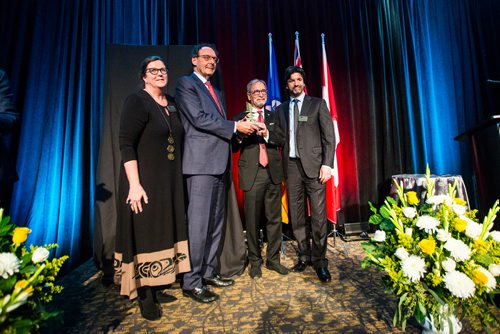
(170, 139)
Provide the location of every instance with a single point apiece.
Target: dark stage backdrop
(408, 76)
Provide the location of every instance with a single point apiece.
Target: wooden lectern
(485, 147)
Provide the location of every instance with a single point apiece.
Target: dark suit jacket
(208, 134)
(248, 163)
(315, 137)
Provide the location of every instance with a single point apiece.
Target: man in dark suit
(205, 165)
(260, 174)
(8, 121)
(307, 159)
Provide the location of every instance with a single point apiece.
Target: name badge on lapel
(302, 118)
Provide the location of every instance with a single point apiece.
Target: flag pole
(297, 49)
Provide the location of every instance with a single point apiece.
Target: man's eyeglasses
(154, 71)
(257, 92)
(207, 58)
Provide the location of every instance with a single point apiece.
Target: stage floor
(354, 302)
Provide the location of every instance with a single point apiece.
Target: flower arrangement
(27, 280)
(440, 260)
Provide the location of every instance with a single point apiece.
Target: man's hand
(246, 127)
(262, 129)
(325, 174)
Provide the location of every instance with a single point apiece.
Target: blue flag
(273, 86)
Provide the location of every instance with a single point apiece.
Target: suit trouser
(205, 215)
(298, 186)
(268, 195)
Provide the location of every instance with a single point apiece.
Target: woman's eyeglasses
(155, 71)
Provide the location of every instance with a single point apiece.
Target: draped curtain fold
(408, 76)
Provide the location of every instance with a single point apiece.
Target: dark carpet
(354, 302)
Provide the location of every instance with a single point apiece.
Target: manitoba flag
(332, 186)
(273, 84)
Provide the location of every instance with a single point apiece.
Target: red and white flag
(297, 60)
(332, 186)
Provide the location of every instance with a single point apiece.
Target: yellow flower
(459, 201)
(481, 247)
(20, 286)
(428, 246)
(20, 235)
(479, 277)
(460, 224)
(435, 278)
(412, 198)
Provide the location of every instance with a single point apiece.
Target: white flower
(439, 199)
(401, 253)
(459, 284)
(443, 235)
(492, 282)
(413, 268)
(427, 223)
(494, 269)
(459, 209)
(9, 264)
(458, 249)
(449, 264)
(20, 300)
(409, 212)
(495, 235)
(39, 255)
(408, 231)
(473, 229)
(379, 236)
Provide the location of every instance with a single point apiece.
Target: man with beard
(308, 157)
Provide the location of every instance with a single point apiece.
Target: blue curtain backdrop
(408, 77)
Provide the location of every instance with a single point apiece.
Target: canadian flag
(332, 186)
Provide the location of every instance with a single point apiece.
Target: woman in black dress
(151, 239)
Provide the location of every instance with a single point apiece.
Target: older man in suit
(307, 158)
(260, 174)
(206, 161)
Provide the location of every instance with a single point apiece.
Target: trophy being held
(253, 116)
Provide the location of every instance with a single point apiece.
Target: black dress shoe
(323, 275)
(277, 268)
(201, 295)
(299, 267)
(255, 271)
(219, 281)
